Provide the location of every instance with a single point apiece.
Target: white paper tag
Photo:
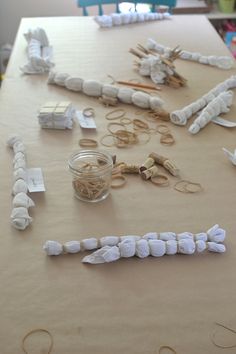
(35, 180)
(224, 122)
(85, 122)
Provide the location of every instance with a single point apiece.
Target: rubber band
(86, 142)
(163, 347)
(139, 112)
(163, 129)
(35, 331)
(118, 177)
(167, 139)
(138, 123)
(160, 180)
(116, 124)
(222, 346)
(88, 112)
(197, 185)
(143, 133)
(110, 115)
(126, 120)
(106, 136)
(186, 186)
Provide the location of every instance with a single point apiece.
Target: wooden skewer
(150, 87)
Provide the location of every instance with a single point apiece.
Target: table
(131, 306)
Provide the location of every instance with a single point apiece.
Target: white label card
(35, 180)
(85, 122)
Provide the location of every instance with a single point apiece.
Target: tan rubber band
(115, 124)
(143, 133)
(197, 185)
(35, 331)
(110, 115)
(222, 346)
(106, 136)
(160, 180)
(167, 139)
(138, 123)
(122, 180)
(186, 186)
(163, 347)
(86, 142)
(88, 112)
(163, 129)
(126, 120)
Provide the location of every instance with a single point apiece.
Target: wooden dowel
(150, 87)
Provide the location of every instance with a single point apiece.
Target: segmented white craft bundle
(95, 88)
(111, 248)
(39, 52)
(180, 117)
(117, 19)
(222, 62)
(20, 218)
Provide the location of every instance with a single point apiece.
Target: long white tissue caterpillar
(215, 234)
(222, 62)
(39, 52)
(20, 218)
(95, 88)
(180, 117)
(117, 19)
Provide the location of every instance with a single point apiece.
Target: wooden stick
(150, 87)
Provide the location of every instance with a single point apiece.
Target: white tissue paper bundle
(111, 248)
(218, 105)
(95, 88)
(56, 115)
(180, 117)
(20, 218)
(39, 52)
(222, 62)
(118, 19)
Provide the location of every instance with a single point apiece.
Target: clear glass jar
(91, 171)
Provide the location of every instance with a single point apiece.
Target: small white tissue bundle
(56, 115)
(118, 19)
(20, 218)
(39, 52)
(154, 67)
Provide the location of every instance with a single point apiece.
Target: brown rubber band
(118, 177)
(163, 347)
(222, 346)
(138, 123)
(106, 136)
(126, 120)
(162, 129)
(183, 186)
(143, 133)
(110, 115)
(35, 331)
(115, 124)
(160, 180)
(167, 139)
(86, 142)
